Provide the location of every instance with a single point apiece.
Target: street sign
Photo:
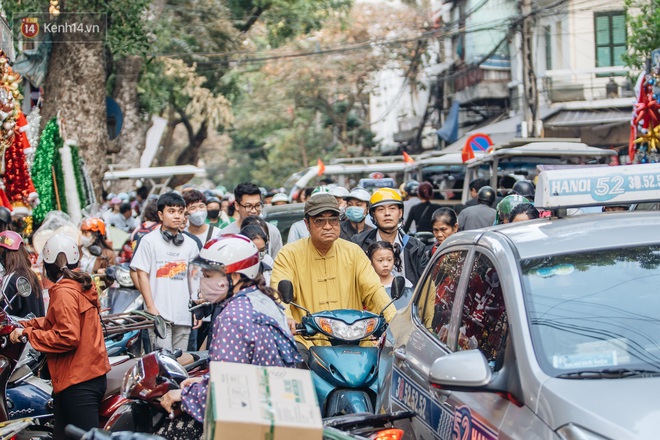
(598, 186)
(478, 143)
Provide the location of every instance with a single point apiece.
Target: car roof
(581, 233)
(543, 149)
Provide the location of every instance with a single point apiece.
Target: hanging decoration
(644, 146)
(32, 132)
(45, 170)
(17, 177)
(70, 183)
(10, 105)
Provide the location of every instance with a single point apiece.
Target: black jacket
(415, 257)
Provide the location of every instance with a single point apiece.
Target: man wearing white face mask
(357, 202)
(196, 210)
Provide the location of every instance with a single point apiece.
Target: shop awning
(588, 118)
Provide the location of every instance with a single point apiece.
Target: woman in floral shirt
(251, 327)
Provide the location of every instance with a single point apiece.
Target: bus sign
(598, 186)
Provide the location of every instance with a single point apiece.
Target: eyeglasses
(256, 207)
(319, 222)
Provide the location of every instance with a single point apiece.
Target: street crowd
(214, 250)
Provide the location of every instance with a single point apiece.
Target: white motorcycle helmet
(227, 254)
(60, 244)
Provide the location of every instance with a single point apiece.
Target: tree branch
(254, 16)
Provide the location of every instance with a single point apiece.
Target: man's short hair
(477, 184)
(143, 192)
(170, 199)
(194, 196)
(124, 208)
(246, 189)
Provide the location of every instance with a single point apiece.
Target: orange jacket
(71, 335)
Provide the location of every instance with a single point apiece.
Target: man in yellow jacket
(328, 273)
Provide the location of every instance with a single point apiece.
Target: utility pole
(530, 99)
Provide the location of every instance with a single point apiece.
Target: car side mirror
(285, 287)
(461, 370)
(398, 285)
(95, 250)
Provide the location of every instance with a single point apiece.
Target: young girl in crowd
(445, 223)
(384, 257)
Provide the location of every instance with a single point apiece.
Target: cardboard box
(249, 402)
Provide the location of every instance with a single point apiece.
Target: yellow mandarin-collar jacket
(341, 279)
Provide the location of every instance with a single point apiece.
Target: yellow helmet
(385, 196)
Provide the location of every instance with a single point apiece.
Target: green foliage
(643, 23)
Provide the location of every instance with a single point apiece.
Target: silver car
(547, 329)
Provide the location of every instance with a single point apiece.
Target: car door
(483, 325)
(433, 319)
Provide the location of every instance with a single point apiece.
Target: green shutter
(602, 30)
(619, 29)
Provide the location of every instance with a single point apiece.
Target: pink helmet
(230, 253)
(10, 240)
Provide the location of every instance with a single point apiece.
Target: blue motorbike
(345, 373)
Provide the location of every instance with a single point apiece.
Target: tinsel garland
(70, 187)
(17, 178)
(77, 169)
(87, 180)
(32, 132)
(45, 158)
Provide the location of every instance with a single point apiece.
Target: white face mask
(87, 241)
(197, 218)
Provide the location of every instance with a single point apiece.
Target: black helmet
(5, 215)
(486, 195)
(524, 188)
(411, 187)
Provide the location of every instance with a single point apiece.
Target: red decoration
(18, 182)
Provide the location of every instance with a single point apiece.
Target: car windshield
(595, 310)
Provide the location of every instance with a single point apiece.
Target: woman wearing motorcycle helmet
(71, 336)
(505, 207)
(20, 286)
(249, 326)
(93, 234)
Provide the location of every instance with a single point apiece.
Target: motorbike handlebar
(72, 432)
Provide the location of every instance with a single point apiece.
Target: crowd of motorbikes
(345, 373)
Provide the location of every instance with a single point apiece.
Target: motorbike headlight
(131, 379)
(348, 332)
(123, 277)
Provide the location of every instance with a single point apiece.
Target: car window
(436, 301)
(484, 321)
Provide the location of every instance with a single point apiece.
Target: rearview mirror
(285, 287)
(461, 370)
(95, 250)
(398, 285)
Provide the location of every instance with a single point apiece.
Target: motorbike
(146, 382)
(345, 374)
(9, 357)
(365, 426)
(75, 433)
(121, 299)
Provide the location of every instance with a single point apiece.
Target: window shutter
(602, 30)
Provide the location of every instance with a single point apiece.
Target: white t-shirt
(275, 238)
(215, 231)
(167, 266)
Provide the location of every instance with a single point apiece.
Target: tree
(75, 85)
(643, 23)
(297, 109)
